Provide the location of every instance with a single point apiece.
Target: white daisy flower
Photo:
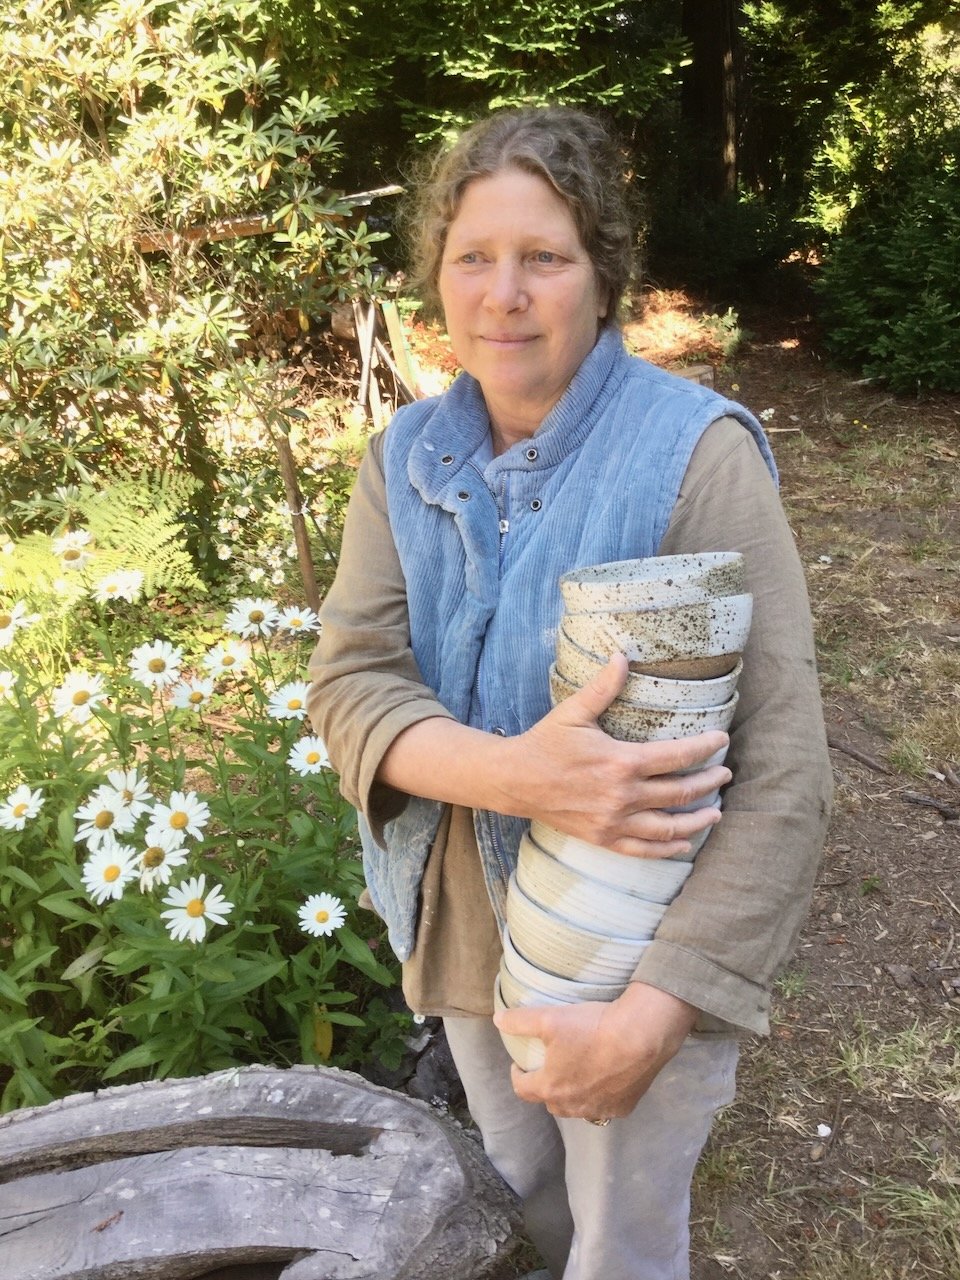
(321, 914)
(185, 814)
(289, 702)
(309, 755)
(293, 619)
(12, 620)
(125, 584)
(229, 658)
(108, 870)
(7, 680)
(72, 549)
(256, 574)
(102, 818)
(191, 695)
(78, 696)
(252, 617)
(130, 791)
(224, 551)
(156, 664)
(20, 806)
(190, 911)
(278, 577)
(157, 861)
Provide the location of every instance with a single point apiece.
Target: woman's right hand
(569, 774)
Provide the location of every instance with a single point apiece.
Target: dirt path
(841, 1157)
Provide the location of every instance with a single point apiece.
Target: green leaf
(21, 878)
(64, 904)
(135, 1059)
(357, 953)
(89, 960)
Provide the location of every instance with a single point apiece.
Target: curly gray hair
(570, 150)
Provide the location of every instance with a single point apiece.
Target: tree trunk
(708, 101)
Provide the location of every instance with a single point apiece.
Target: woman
(554, 449)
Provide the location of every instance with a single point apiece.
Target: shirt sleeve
(738, 916)
(365, 685)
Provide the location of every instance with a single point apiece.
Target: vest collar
(455, 430)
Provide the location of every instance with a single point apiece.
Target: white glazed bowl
(576, 667)
(568, 950)
(545, 987)
(527, 1051)
(717, 628)
(652, 582)
(573, 896)
(656, 879)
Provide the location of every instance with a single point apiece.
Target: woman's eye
(469, 259)
(545, 256)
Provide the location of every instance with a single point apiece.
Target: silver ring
(599, 1123)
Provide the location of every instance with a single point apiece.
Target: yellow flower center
(153, 857)
(110, 589)
(81, 697)
(156, 665)
(20, 809)
(295, 622)
(103, 820)
(256, 615)
(294, 704)
(322, 917)
(313, 757)
(196, 697)
(127, 795)
(194, 907)
(111, 873)
(179, 820)
(5, 620)
(227, 660)
(72, 553)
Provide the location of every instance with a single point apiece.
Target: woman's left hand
(600, 1058)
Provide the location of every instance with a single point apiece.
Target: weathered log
(252, 1174)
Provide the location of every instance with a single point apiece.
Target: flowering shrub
(178, 875)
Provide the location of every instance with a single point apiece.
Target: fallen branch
(945, 810)
(863, 758)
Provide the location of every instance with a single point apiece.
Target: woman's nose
(506, 290)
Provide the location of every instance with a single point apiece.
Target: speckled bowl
(691, 641)
(653, 582)
(657, 879)
(527, 1051)
(568, 950)
(577, 667)
(566, 892)
(631, 722)
(545, 987)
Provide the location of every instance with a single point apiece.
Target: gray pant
(608, 1203)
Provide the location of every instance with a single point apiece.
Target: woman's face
(520, 295)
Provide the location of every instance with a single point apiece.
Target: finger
(522, 1021)
(595, 697)
(683, 790)
(678, 755)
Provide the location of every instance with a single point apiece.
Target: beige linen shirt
(736, 919)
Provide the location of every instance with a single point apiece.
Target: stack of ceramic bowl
(580, 917)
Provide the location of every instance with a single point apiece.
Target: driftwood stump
(253, 1174)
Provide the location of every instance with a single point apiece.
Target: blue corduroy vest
(481, 555)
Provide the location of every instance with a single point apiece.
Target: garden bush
(890, 286)
(135, 327)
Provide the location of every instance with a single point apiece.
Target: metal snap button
(447, 459)
(463, 495)
(536, 504)
(532, 455)
(501, 733)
